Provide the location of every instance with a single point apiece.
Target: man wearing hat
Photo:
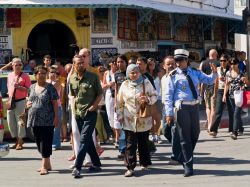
(182, 104)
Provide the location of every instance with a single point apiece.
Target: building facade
(153, 28)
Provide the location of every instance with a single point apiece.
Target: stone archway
(51, 37)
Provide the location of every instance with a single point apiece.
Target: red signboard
(13, 16)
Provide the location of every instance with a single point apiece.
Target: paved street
(218, 162)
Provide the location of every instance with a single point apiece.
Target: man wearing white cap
(182, 104)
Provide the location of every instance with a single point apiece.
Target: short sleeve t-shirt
(120, 77)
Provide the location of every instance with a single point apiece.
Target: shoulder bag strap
(14, 93)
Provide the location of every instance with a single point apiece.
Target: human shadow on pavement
(17, 159)
(220, 161)
(222, 172)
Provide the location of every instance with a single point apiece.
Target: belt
(194, 102)
(16, 100)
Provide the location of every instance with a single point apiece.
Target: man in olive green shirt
(87, 91)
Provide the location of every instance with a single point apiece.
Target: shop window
(101, 20)
(181, 31)
(164, 27)
(195, 32)
(127, 24)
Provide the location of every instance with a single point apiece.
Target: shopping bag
(246, 99)
(238, 97)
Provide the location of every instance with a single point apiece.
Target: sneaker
(129, 173)
(159, 140)
(155, 138)
(152, 151)
(233, 136)
(116, 144)
(213, 134)
(240, 133)
(173, 162)
(120, 156)
(76, 173)
(94, 169)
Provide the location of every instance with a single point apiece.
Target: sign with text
(5, 42)
(102, 41)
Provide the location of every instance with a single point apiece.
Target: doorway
(51, 37)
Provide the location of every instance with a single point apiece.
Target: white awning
(149, 4)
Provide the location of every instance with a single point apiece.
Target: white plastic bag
(238, 97)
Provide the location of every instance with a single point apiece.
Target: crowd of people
(130, 104)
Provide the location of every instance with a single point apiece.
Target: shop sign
(101, 41)
(4, 42)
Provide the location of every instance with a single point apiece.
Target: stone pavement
(218, 161)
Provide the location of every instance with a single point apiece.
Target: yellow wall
(33, 16)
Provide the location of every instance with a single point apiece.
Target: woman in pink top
(18, 84)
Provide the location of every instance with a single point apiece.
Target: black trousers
(105, 119)
(219, 110)
(132, 140)
(43, 137)
(188, 126)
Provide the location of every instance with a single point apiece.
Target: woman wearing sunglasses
(220, 86)
(235, 81)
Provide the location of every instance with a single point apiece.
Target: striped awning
(145, 4)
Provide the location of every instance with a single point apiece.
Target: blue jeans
(237, 121)
(86, 127)
(57, 131)
(172, 136)
(122, 142)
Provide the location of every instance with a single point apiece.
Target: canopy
(160, 5)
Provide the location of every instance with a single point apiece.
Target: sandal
(44, 171)
(100, 151)
(19, 147)
(40, 169)
(71, 158)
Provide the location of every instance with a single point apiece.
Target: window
(127, 24)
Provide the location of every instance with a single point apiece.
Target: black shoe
(120, 156)
(188, 173)
(233, 136)
(94, 169)
(76, 173)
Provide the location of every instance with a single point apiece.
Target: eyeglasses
(53, 72)
(223, 60)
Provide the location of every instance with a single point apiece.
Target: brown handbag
(145, 109)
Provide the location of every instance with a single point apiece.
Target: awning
(148, 4)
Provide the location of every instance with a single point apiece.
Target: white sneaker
(159, 140)
(129, 173)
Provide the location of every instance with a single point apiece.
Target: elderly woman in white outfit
(133, 92)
